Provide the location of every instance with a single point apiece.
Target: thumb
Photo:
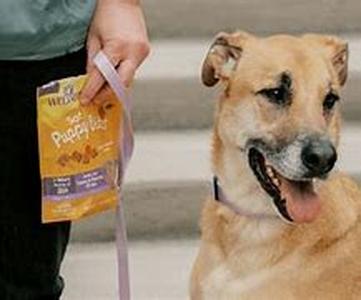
(93, 47)
(93, 84)
(90, 88)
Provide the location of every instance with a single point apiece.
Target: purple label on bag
(79, 185)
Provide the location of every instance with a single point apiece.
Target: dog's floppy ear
(336, 49)
(222, 57)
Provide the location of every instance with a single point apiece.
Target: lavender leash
(126, 147)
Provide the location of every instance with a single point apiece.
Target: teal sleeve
(41, 29)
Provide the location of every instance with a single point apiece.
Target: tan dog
(284, 226)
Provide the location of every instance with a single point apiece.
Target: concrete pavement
(159, 270)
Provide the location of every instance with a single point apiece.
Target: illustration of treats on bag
(79, 150)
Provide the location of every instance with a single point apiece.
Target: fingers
(126, 72)
(93, 84)
(95, 80)
(93, 47)
(128, 57)
(128, 67)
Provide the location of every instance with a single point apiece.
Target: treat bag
(80, 150)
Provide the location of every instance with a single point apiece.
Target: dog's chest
(221, 284)
(251, 281)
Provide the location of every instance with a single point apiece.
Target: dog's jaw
(230, 164)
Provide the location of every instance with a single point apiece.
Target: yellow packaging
(79, 150)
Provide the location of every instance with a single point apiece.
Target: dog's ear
(336, 49)
(222, 57)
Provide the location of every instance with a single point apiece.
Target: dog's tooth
(276, 181)
(269, 171)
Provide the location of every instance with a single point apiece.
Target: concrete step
(165, 184)
(168, 180)
(205, 17)
(160, 270)
(169, 95)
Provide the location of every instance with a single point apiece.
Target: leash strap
(126, 149)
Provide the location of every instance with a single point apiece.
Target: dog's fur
(242, 257)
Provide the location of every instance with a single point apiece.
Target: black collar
(215, 188)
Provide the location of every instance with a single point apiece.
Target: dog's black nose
(319, 156)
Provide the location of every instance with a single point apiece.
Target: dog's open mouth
(296, 201)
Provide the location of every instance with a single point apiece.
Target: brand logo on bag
(68, 96)
(50, 88)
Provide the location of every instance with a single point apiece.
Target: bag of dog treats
(79, 150)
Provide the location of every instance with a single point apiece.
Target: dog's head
(280, 108)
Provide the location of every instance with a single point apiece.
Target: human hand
(118, 29)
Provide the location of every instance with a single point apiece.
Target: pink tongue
(303, 204)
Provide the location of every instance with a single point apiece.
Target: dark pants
(30, 252)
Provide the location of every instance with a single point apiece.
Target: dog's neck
(244, 235)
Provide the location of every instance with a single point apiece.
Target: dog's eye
(276, 95)
(330, 101)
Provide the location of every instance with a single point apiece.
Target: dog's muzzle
(286, 173)
(305, 158)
